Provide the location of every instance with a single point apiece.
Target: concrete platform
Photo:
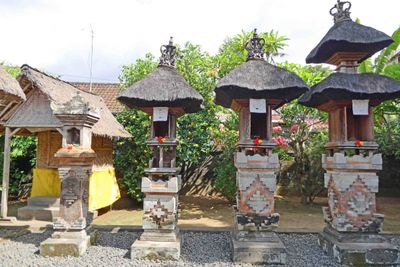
(40, 208)
(65, 244)
(143, 249)
(259, 251)
(359, 249)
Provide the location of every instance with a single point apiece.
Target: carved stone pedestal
(351, 235)
(160, 239)
(253, 239)
(70, 238)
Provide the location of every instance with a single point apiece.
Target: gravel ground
(199, 249)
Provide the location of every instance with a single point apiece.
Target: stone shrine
(351, 160)
(254, 89)
(76, 158)
(164, 95)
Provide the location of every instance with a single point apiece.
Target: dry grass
(205, 212)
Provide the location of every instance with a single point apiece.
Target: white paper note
(258, 106)
(361, 107)
(160, 113)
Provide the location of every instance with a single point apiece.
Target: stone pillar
(160, 238)
(351, 234)
(76, 160)
(70, 238)
(254, 240)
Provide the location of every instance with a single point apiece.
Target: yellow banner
(103, 187)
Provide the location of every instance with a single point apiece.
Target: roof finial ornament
(168, 53)
(342, 13)
(255, 46)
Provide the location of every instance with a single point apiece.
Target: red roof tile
(108, 91)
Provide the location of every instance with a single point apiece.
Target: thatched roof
(348, 36)
(56, 91)
(341, 86)
(9, 87)
(258, 79)
(164, 87)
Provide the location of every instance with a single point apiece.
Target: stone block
(356, 162)
(65, 244)
(155, 250)
(359, 249)
(38, 213)
(171, 185)
(160, 235)
(256, 161)
(160, 211)
(257, 223)
(259, 252)
(42, 201)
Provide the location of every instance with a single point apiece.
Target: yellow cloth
(45, 182)
(103, 187)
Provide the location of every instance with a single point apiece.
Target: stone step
(44, 201)
(38, 213)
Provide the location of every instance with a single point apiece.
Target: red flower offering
(358, 143)
(69, 148)
(257, 141)
(161, 139)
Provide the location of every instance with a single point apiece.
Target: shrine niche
(165, 96)
(351, 160)
(254, 90)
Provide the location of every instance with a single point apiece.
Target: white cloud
(54, 35)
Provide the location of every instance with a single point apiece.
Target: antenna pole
(91, 58)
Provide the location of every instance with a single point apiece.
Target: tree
(387, 119)
(303, 138)
(23, 154)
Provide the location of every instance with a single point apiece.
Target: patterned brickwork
(351, 201)
(256, 199)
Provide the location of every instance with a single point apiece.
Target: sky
(55, 35)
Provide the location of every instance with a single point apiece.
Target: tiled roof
(108, 91)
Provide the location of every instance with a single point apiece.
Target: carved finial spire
(168, 54)
(342, 13)
(255, 46)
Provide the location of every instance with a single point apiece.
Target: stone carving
(255, 47)
(74, 198)
(256, 199)
(168, 53)
(341, 13)
(351, 204)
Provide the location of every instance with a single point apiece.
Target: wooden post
(6, 174)
(161, 162)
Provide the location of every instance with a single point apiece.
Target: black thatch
(352, 86)
(348, 36)
(258, 79)
(164, 87)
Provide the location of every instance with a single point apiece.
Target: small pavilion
(351, 160)
(165, 96)
(255, 89)
(36, 117)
